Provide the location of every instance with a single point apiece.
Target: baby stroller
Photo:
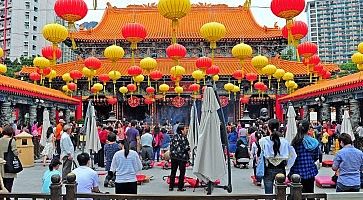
(242, 155)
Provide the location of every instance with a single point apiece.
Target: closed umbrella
(46, 125)
(209, 163)
(347, 125)
(93, 143)
(193, 132)
(291, 128)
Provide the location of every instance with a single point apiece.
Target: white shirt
(146, 140)
(126, 168)
(66, 145)
(360, 131)
(86, 178)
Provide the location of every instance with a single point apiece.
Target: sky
(260, 9)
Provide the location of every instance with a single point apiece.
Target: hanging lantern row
(357, 58)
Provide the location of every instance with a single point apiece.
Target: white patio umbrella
(46, 125)
(193, 132)
(209, 162)
(291, 128)
(347, 125)
(93, 143)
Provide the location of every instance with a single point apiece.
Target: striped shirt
(126, 168)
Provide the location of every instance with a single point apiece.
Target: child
(242, 155)
(325, 141)
(53, 170)
(110, 149)
(255, 154)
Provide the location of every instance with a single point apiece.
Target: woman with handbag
(7, 143)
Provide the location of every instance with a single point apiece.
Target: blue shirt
(110, 150)
(131, 134)
(47, 180)
(349, 161)
(86, 178)
(126, 168)
(166, 141)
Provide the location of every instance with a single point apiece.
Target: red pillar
(79, 108)
(278, 108)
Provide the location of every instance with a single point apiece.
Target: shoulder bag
(13, 164)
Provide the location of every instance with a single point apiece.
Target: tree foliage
(347, 68)
(16, 65)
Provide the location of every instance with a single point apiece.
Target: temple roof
(326, 87)
(239, 22)
(227, 66)
(22, 88)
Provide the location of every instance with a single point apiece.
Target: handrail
(25, 195)
(177, 197)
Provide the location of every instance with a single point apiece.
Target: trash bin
(25, 147)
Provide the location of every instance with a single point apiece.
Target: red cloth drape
(278, 109)
(79, 108)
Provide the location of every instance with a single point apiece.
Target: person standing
(58, 135)
(5, 141)
(179, 154)
(111, 147)
(349, 162)
(165, 144)
(307, 150)
(125, 164)
(157, 140)
(133, 136)
(103, 138)
(86, 178)
(48, 150)
(232, 140)
(359, 129)
(47, 176)
(67, 151)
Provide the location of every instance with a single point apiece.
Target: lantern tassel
(148, 80)
(114, 88)
(311, 77)
(94, 4)
(174, 25)
(251, 87)
(269, 82)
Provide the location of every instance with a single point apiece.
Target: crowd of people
(129, 147)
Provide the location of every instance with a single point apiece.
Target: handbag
(260, 168)
(13, 164)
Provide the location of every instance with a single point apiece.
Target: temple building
(241, 27)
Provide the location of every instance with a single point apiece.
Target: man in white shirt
(67, 151)
(86, 178)
(146, 143)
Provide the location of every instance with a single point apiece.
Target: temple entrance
(257, 103)
(140, 113)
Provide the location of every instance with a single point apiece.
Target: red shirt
(103, 136)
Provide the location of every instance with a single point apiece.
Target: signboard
(313, 116)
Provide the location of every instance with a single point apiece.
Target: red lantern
(287, 9)
(213, 70)
(176, 78)
(47, 52)
(318, 68)
(244, 100)
(72, 86)
(134, 70)
(259, 85)
(327, 75)
(238, 74)
(194, 87)
(44, 71)
(149, 101)
(112, 101)
(251, 77)
(131, 87)
(156, 75)
(75, 74)
(323, 72)
(104, 78)
(264, 88)
(314, 60)
(93, 90)
(307, 49)
(34, 76)
(204, 63)
(71, 10)
(176, 51)
(92, 63)
(134, 32)
(299, 30)
(150, 90)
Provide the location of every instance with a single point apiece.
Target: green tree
(16, 65)
(288, 55)
(347, 68)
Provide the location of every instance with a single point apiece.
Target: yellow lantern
(98, 87)
(148, 64)
(67, 77)
(290, 85)
(174, 10)
(288, 76)
(229, 87)
(177, 71)
(114, 53)
(269, 70)
(198, 75)
(1, 52)
(138, 79)
(123, 90)
(41, 62)
(3, 69)
(235, 90)
(278, 75)
(52, 75)
(114, 76)
(178, 90)
(360, 48)
(86, 72)
(242, 51)
(65, 88)
(213, 32)
(55, 33)
(360, 67)
(296, 86)
(215, 78)
(259, 62)
(163, 88)
(357, 58)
